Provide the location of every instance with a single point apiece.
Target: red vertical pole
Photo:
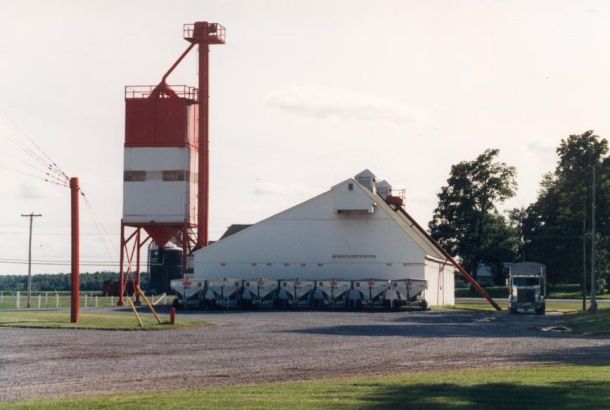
(137, 278)
(121, 269)
(204, 154)
(74, 308)
(185, 246)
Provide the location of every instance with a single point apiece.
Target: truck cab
(527, 288)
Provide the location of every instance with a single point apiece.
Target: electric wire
(98, 227)
(56, 263)
(33, 142)
(34, 152)
(47, 170)
(52, 233)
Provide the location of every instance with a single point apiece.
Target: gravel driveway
(253, 347)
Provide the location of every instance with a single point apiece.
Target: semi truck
(527, 288)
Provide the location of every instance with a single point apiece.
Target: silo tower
(166, 161)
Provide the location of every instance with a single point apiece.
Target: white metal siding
(441, 284)
(312, 241)
(155, 199)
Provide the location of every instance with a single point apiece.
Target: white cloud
(269, 188)
(319, 102)
(286, 190)
(29, 192)
(541, 149)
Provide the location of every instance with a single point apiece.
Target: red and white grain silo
(166, 161)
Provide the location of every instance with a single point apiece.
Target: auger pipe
(459, 267)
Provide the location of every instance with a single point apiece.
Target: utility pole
(31, 216)
(593, 306)
(584, 263)
(75, 252)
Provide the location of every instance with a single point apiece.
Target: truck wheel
(541, 311)
(423, 304)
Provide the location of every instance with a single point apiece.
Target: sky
(304, 94)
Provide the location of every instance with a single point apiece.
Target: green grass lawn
(103, 321)
(554, 387)
(560, 291)
(590, 323)
(484, 306)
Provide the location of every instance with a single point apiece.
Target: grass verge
(101, 321)
(484, 306)
(590, 323)
(553, 387)
(559, 291)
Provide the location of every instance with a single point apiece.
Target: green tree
(560, 219)
(466, 221)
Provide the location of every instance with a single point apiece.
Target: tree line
(554, 230)
(61, 281)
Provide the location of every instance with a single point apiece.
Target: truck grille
(525, 295)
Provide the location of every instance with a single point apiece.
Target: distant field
(553, 387)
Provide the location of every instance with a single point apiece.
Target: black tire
(315, 304)
(423, 304)
(541, 311)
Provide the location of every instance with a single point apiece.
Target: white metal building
(348, 232)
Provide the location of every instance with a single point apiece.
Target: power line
(43, 154)
(54, 233)
(55, 263)
(53, 174)
(98, 226)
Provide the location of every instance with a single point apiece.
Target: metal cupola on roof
(367, 179)
(384, 189)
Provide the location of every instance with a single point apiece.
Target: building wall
(441, 284)
(312, 241)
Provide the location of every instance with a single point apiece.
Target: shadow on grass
(558, 395)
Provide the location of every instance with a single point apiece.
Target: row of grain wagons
(285, 293)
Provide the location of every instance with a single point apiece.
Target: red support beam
(121, 270)
(459, 267)
(204, 149)
(137, 272)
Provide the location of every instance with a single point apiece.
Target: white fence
(55, 300)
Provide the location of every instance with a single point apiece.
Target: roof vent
(367, 179)
(384, 189)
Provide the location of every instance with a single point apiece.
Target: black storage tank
(164, 265)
